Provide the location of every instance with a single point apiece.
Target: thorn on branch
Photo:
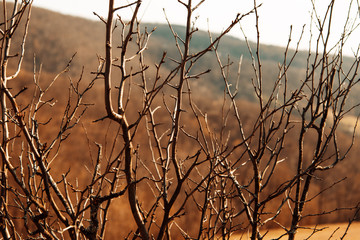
(100, 119)
(100, 17)
(22, 90)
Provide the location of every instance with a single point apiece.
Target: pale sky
(276, 16)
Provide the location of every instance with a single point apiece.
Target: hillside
(54, 38)
(205, 163)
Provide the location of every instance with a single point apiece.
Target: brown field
(328, 231)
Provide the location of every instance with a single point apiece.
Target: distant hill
(54, 38)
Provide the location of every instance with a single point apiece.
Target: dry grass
(322, 232)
